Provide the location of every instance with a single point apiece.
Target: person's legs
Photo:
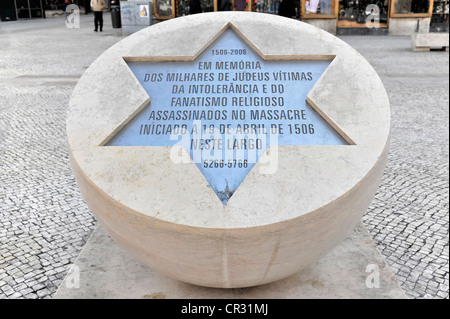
(96, 20)
(100, 19)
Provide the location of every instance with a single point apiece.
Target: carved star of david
(226, 106)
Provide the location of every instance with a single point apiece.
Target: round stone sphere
(277, 221)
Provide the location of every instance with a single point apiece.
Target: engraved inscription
(226, 108)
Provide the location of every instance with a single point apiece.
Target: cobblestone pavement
(409, 217)
(44, 221)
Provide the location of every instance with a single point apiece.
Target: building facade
(394, 17)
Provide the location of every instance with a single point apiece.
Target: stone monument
(229, 149)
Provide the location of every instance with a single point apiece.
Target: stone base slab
(427, 41)
(107, 271)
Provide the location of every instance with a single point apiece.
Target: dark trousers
(98, 19)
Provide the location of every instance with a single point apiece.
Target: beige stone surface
(355, 269)
(275, 224)
(328, 25)
(408, 26)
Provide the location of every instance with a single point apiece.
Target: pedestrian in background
(226, 5)
(287, 8)
(98, 6)
(66, 3)
(195, 7)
